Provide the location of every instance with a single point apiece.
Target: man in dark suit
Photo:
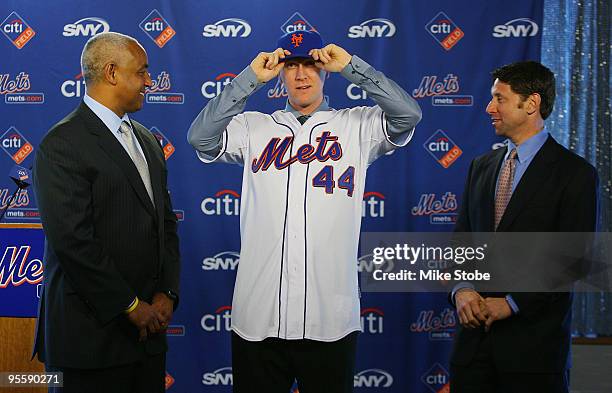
(520, 342)
(111, 253)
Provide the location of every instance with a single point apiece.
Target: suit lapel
(537, 172)
(117, 153)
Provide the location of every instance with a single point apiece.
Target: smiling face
(132, 78)
(304, 82)
(508, 111)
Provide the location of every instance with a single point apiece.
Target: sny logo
(372, 320)
(224, 203)
(296, 23)
(17, 30)
(15, 269)
(226, 260)
(13, 90)
(15, 145)
(372, 378)
(439, 211)
(159, 93)
(211, 89)
(444, 30)
(221, 320)
(442, 148)
(86, 27)
(164, 142)
(231, 27)
(521, 27)
(439, 328)
(441, 91)
(220, 377)
(437, 379)
(373, 28)
(157, 28)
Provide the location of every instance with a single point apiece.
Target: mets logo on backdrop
(440, 211)
(296, 23)
(164, 142)
(442, 148)
(159, 92)
(437, 379)
(17, 30)
(440, 327)
(14, 90)
(444, 30)
(442, 91)
(157, 28)
(15, 145)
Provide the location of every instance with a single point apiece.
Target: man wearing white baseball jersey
(295, 312)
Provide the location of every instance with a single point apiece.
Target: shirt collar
(529, 147)
(108, 117)
(323, 107)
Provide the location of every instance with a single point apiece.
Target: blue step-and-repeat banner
(441, 52)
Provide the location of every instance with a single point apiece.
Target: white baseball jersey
(300, 218)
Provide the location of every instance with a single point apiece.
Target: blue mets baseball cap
(300, 43)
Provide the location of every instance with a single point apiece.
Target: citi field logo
(296, 23)
(14, 90)
(157, 28)
(439, 327)
(373, 28)
(279, 90)
(444, 30)
(441, 91)
(372, 320)
(17, 30)
(373, 205)
(439, 211)
(211, 89)
(16, 269)
(373, 378)
(228, 28)
(516, 28)
(442, 148)
(75, 87)
(226, 260)
(180, 214)
(15, 145)
(437, 379)
(223, 203)
(168, 381)
(355, 92)
(220, 321)
(86, 27)
(164, 142)
(159, 92)
(220, 377)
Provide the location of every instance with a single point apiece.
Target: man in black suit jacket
(520, 342)
(111, 253)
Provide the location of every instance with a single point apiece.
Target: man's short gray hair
(99, 50)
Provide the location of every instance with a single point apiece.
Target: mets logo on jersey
(17, 30)
(157, 28)
(442, 148)
(444, 30)
(15, 145)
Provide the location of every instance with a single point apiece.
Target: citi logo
(373, 205)
(355, 92)
(224, 203)
(521, 27)
(86, 27)
(372, 320)
(226, 260)
(231, 27)
(372, 378)
(373, 28)
(220, 377)
(211, 89)
(73, 87)
(220, 321)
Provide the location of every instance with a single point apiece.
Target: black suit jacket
(105, 243)
(557, 193)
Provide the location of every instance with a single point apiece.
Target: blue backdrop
(441, 52)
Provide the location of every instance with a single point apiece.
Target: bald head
(100, 50)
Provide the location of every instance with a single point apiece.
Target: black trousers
(147, 376)
(272, 365)
(481, 376)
